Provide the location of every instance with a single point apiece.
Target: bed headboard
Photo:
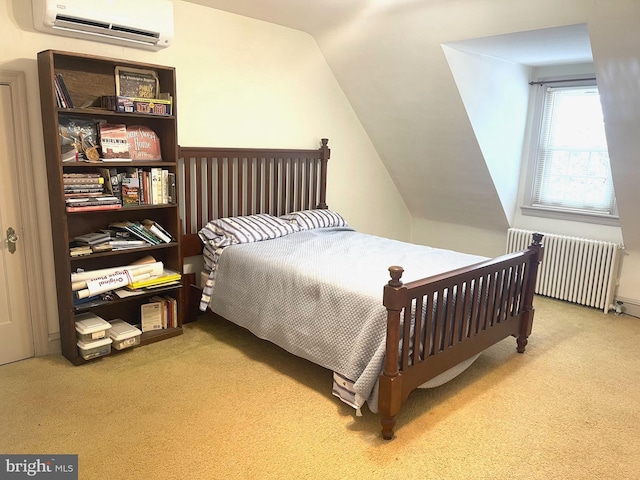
(223, 182)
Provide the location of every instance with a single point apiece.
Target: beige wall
(241, 82)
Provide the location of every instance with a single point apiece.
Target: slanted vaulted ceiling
(414, 72)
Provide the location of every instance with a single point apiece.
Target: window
(571, 177)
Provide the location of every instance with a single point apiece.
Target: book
(157, 230)
(92, 238)
(80, 133)
(111, 182)
(78, 191)
(127, 243)
(82, 178)
(145, 177)
(92, 208)
(98, 186)
(173, 311)
(80, 250)
(143, 232)
(144, 144)
(113, 141)
(171, 181)
(85, 201)
(65, 92)
(136, 230)
(83, 194)
(60, 102)
(101, 247)
(136, 82)
(156, 185)
(165, 309)
(167, 276)
(130, 188)
(165, 186)
(151, 316)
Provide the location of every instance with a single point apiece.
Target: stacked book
(63, 98)
(85, 192)
(164, 279)
(161, 312)
(120, 236)
(148, 231)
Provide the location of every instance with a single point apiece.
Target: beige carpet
(217, 403)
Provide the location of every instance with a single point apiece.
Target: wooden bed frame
(498, 293)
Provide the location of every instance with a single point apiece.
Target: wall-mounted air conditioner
(135, 23)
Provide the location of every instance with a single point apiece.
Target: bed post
(390, 395)
(325, 153)
(526, 321)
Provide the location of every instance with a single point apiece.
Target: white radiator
(579, 270)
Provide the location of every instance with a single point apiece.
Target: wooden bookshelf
(88, 78)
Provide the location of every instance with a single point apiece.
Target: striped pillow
(244, 229)
(319, 218)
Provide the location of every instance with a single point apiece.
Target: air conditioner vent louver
(65, 21)
(71, 21)
(136, 32)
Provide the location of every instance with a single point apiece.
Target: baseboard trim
(631, 306)
(53, 345)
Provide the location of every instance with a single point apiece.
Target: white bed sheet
(233, 297)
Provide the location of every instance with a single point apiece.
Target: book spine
(150, 237)
(71, 186)
(90, 208)
(82, 180)
(142, 191)
(173, 311)
(165, 186)
(165, 309)
(156, 185)
(83, 175)
(59, 98)
(65, 91)
(158, 233)
(172, 187)
(125, 243)
(93, 203)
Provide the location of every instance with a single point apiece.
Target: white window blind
(573, 161)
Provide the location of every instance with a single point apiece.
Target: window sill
(570, 215)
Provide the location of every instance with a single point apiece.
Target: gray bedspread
(318, 294)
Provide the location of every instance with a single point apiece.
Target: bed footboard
(435, 323)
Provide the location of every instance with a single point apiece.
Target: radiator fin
(578, 270)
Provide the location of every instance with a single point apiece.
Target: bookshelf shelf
(99, 112)
(115, 302)
(128, 209)
(119, 253)
(87, 78)
(92, 165)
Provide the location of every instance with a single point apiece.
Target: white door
(16, 335)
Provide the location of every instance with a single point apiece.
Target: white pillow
(318, 218)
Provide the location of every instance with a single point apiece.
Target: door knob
(12, 239)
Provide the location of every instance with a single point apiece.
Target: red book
(90, 208)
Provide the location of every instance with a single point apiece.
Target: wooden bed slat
(505, 314)
(222, 182)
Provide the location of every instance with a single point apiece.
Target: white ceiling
(548, 46)
(311, 16)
